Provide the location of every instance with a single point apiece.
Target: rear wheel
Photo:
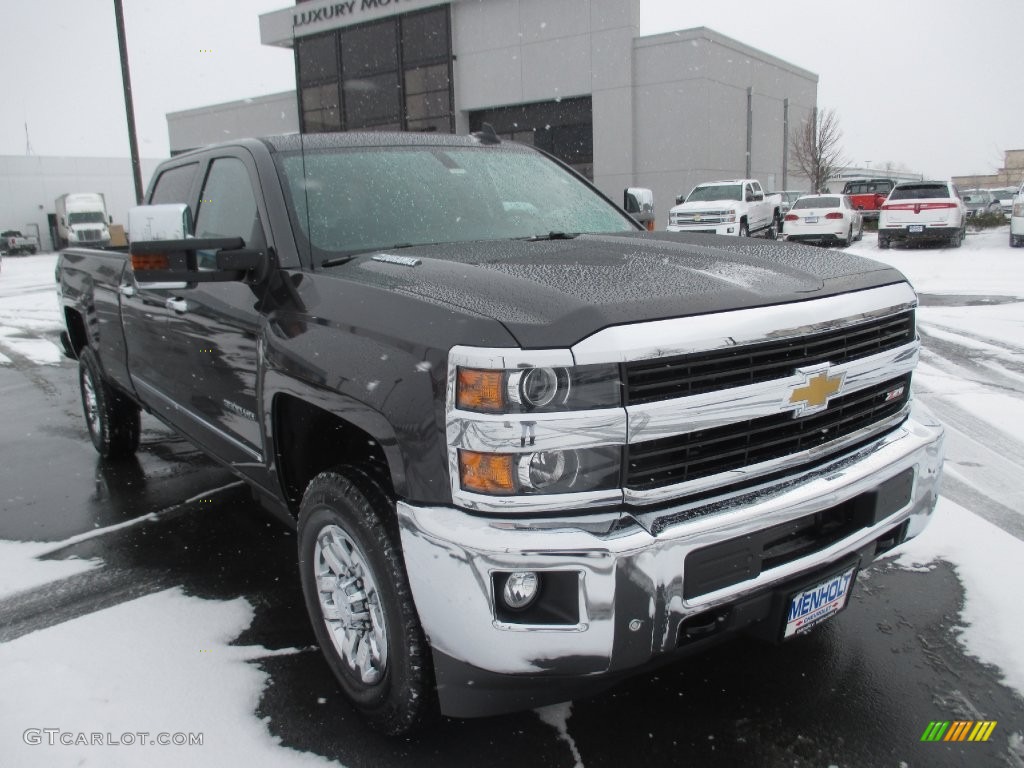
(849, 237)
(112, 419)
(359, 601)
(883, 242)
(1015, 240)
(957, 239)
(772, 233)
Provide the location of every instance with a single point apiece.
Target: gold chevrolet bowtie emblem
(818, 388)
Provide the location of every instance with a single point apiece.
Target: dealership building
(573, 77)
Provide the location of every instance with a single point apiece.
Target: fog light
(521, 589)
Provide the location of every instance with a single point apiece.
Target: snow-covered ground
(85, 677)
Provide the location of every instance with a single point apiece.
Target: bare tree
(816, 150)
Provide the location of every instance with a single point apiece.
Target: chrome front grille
(708, 217)
(702, 453)
(649, 381)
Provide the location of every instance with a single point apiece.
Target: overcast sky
(931, 84)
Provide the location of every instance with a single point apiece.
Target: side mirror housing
(163, 250)
(639, 202)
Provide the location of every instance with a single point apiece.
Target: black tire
(343, 513)
(883, 242)
(744, 229)
(1014, 241)
(112, 419)
(849, 238)
(772, 233)
(957, 239)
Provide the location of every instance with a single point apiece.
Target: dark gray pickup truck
(529, 448)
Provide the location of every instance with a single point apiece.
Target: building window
(393, 74)
(563, 128)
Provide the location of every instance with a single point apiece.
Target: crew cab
(738, 207)
(529, 448)
(868, 195)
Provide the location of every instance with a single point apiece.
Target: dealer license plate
(915, 228)
(811, 220)
(822, 601)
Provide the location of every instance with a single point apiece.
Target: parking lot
(153, 596)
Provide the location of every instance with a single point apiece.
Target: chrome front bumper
(630, 568)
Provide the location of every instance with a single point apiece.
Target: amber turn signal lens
(142, 262)
(478, 390)
(487, 472)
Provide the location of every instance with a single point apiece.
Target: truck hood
(554, 293)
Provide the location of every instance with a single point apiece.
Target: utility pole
(785, 144)
(750, 126)
(129, 108)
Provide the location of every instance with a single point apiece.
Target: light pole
(129, 108)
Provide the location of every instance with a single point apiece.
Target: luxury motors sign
(282, 27)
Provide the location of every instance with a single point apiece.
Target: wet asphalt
(859, 691)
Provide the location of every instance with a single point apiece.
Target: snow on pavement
(989, 562)
(21, 569)
(86, 677)
(28, 310)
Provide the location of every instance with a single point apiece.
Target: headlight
(729, 216)
(538, 390)
(543, 472)
(1018, 209)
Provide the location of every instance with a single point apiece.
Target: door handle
(178, 305)
(127, 290)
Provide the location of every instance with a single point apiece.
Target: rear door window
(174, 185)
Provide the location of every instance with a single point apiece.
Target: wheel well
(309, 440)
(76, 329)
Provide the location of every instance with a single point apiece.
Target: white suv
(923, 210)
(1017, 220)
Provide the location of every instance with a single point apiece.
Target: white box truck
(82, 220)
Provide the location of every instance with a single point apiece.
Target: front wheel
(112, 419)
(744, 229)
(359, 601)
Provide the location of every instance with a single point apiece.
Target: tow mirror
(639, 202)
(163, 250)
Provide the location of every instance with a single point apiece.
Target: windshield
(365, 199)
(86, 217)
(817, 202)
(716, 192)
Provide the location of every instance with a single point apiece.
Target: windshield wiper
(552, 236)
(346, 256)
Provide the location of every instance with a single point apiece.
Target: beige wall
(1010, 175)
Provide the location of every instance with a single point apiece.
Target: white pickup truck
(13, 242)
(737, 207)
